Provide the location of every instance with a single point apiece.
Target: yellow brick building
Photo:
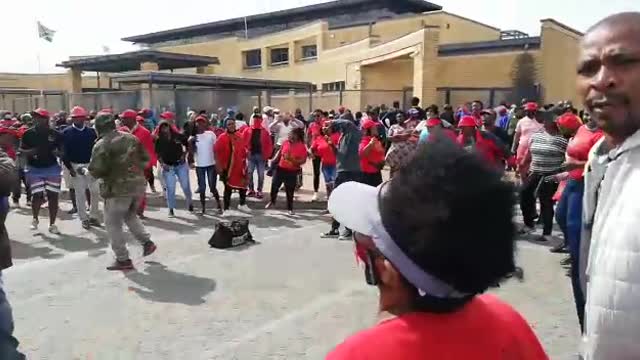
(359, 52)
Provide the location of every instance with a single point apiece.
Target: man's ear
(389, 275)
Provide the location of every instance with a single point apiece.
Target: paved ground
(291, 296)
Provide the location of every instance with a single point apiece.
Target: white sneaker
(54, 229)
(244, 208)
(315, 197)
(34, 224)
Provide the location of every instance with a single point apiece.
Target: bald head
(629, 19)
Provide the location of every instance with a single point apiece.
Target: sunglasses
(367, 253)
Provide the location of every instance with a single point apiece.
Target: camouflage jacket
(8, 178)
(118, 160)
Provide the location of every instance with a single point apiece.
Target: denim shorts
(329, 173)
(41, 179)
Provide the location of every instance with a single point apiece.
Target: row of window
(278, 56)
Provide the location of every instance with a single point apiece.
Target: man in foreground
(609, 84)
(433, 253)
(119, 160)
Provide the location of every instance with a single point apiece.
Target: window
(309, 51)
(334, 86)
(279, 56)
(253, 58)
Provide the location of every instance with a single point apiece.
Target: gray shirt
(347, 154)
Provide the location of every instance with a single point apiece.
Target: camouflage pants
(117, 212)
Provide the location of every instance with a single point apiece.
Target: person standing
(171, 149)
(78, 140)
(404, 142)
(260, 149)
(546, 155)
(201, 147)
(119, 159)
(347, 165)
(315, 131)
(292, 155)
(371, 153)
(324, 148)
(42, 145)
(21, 162)
(487, 145)
(525, 127)
(131, 124)
(231, 164)
(608, 83)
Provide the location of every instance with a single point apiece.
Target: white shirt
(204, 149)
(282, 130)
(612, 311)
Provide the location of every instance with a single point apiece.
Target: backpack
(231, 234)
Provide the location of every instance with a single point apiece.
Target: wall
(61, 81)
(388, 75)
(458, 29)
(558, 73)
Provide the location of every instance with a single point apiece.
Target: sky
(86, 27)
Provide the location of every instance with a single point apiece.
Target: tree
(523, 77)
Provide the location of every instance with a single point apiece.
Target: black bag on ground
(231, 234)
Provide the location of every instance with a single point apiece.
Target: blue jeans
(329, 172)
(569, 218)
(8, 344)
(206, 174)
(256, 161)
(171, 174)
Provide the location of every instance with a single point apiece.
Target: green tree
(524, 78)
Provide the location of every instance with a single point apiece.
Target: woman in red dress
(231, 163)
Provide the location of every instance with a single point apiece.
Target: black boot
(203, 202)
(72, 195)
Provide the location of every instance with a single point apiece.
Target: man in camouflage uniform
(118, 160)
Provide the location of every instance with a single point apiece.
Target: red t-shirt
(486, 328)
(326, 152)
(315, 128)
(375, 156)
(297, 151)
(579, 147)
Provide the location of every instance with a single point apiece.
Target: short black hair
(358, 114)
(396, 104)
(452, 214)
(479, 102)
(240, 116)
(433, 108)
(299, 132)
(415, 101)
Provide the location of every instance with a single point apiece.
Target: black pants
(22, 179)
(227, 196)
(287, 177)
(343, 177)
(372, 179)
(535, 185)
(316, 173)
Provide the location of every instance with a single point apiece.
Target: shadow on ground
(160, 284)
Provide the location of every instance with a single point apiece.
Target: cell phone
(370, 273)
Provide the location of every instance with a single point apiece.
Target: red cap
(129, 114)
(79, 112)
(569, 122)
(107, 111)
(531, 106)
(368, 124)
(201, 119)
(467, 121)
(144, 112)
(168, 115)
(434, 122)
(140, 119)
(42, 112)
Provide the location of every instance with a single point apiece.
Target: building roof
(131, 61)
(483, 47)
(310, 12)
(212, 81)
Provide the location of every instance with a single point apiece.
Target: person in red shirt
(129, 119)
(436, 128)
(324, 148)
(259, 149)
(433, 240)
(231, 164)
(314, 131)
(485, 144)
(569, 208)
(371, 153)
(292, 155)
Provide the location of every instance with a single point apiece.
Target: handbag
(231, 234)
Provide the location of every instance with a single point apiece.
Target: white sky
(85, 26)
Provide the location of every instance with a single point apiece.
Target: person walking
(231, 164)
(171, 147)
(118, 160)
(371, 153)
(42, 146)
(78, 140)
(525, 127)
(201, 147)
(314, 132)
(21, 163)
(291, 156)
(546, 157)
(259, 149)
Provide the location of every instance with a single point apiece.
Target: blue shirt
(424, 135)
(78, 144)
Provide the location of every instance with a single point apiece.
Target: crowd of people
(452, 179)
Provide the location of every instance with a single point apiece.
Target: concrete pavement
(292, 295)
